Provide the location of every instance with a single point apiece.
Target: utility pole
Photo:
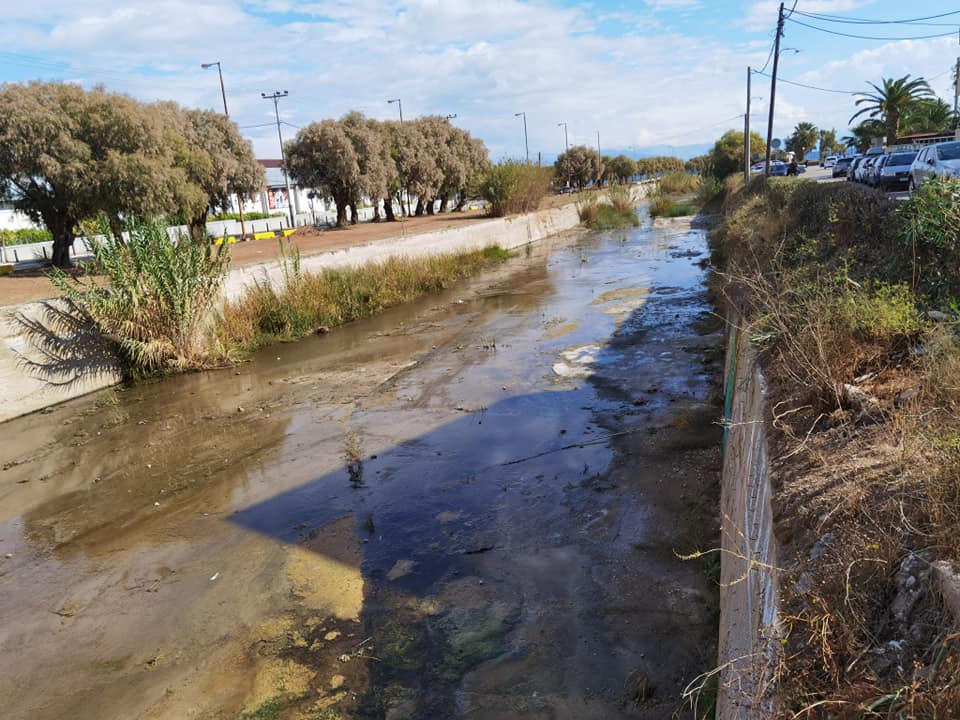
(283, 157)
(746, 133)
(404, 193)
(956, 95)
(526, 144)
(566, 141)
(773, 87)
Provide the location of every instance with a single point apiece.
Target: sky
(649, 75)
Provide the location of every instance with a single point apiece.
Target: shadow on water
(517, 561)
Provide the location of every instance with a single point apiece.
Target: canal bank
(470, 506)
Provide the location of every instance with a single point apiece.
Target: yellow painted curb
(6, 269)
(264, 235)
(288, 232)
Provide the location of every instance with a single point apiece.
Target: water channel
(471, 506)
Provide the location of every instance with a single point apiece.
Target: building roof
(270, 163)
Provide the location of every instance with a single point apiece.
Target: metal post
(746, 134)
(773, 87)
(956, 95)
(283, 157)
(566, 141)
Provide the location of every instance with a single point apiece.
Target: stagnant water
(468, 507)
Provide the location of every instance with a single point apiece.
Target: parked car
(895, 174)
(864, 169)
(830, 161)
(854, 166)
(940, 160)
(841, 167)
(871, 177)
(778, 168)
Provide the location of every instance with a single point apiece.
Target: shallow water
(467, 507)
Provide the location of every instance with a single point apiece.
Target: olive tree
(323, 158)
(621, 168)
(579, 165)
(69, 154)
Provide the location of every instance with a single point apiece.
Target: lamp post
(399, 104)
(275, 96)
(526, 144)
(450, 117)
(223, 92)
(566, 141)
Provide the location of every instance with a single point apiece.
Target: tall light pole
(566, 141)
(400, 105)
(450, 117)
(526, 144)
(275, 96)
(746, 133)
(599, 160)
(223, 92)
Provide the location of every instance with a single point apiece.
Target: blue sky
(659, 74)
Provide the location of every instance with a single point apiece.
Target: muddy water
(468, 507)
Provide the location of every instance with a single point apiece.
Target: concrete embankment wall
(748, 644)
(46, 358)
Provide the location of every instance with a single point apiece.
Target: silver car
(940, 160)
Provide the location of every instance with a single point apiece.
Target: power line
(871, 37)
(813, 87)
(863, 21)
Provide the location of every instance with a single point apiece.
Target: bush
(514, 187)
(246, 216)
(158, 299)
(679, 183)
(336, 296)
(929, 226)
(24, 236)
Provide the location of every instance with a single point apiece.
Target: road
(469, 506)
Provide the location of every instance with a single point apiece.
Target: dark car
(852, 172)
(895, 173)
(842, 166)
(872, 178)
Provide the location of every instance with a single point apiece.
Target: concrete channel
(472, 506)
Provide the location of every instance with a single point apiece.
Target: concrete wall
(748, 644)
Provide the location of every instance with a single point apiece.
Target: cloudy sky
(648, 74)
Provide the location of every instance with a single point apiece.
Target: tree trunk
(430, 206)
(116, 227)
(388, 209)
(341, 213)
(376, 211)
(444, 200)
(419, 210)
(354, 215)
(461, 199)
(61, 228)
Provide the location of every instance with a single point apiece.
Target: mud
(415, 516)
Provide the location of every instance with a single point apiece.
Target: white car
(940, 160)
(831, 161)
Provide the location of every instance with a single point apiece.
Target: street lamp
(400, 104)
(275, 96)
(566, 141)
(526, 144)
(450, 117)
(223, 92)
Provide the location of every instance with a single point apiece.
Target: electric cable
(863, 21)
(872, 37)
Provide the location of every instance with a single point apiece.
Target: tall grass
(679, 183)
(308, 301)
(158, 299)
(514, 187)
(616, 211)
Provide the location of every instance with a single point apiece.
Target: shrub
(679, 183)
(333, 297)
(246, 216)
(514, 187)
(929, 226)
(158, 299)
(24, 236)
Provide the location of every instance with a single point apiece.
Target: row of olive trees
(581, 165)
(356, 157)
(69, 155)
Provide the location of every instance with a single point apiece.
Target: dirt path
(27, 286)
(467, 507)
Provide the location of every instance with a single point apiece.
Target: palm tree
(803, 140)
(928, 116)
(862, 136)
(891, 101)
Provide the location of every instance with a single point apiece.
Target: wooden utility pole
(746, 134)
(773, 87)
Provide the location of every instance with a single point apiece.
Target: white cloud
(762, 15)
